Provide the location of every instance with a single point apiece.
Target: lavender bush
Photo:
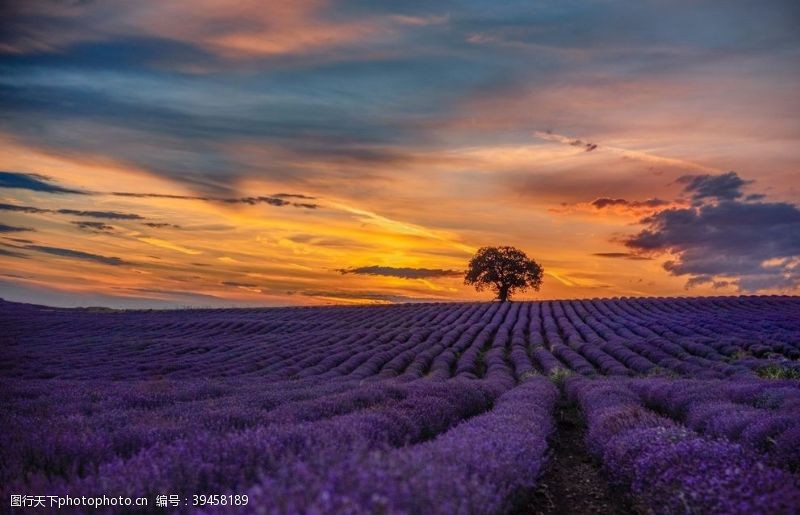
(670, 468)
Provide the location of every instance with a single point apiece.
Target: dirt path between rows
(573, 484)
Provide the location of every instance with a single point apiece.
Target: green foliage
(559, 375)
(504, 270)
(778, 372)
(528, 375)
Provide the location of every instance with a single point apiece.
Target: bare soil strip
(573, 483)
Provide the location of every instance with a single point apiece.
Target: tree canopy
(504, 270)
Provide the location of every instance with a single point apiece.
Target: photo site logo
(61, 501)
(161, 501)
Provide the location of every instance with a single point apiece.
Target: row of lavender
(487, 464)
(663, 442)
(763, 416)
(700, 338)
(457, 446)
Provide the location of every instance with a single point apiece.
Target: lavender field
(686, 405)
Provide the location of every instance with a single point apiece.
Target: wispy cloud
(621, 255)
(403, 227)
(652, 203)
(275, 200)
(111, 215)
(77, 254)
(616, 205)
(560, 138)
(402, 272)
(293, 195)
(93, 226)
(345, 296)
(42, 183)
(10, 228)
(638, 155)
(164, 244)
(239, 284)
(33, 182)
(161, 225)
(12, 253)
(24, 209)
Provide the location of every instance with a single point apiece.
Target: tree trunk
(502, 293)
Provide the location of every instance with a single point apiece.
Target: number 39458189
(220, 500)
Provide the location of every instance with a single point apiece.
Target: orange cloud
(245, 28)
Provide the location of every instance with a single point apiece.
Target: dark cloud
(33, 182)
(621, 255)
(111, 215)
(161, 225)
(93, 226)
(726, 186)
(77, 254)
(274, 200)
(293, 195)
(574, 142)
(23, 209)
(14, 276)
(604, 202)
(697, 280)
(11, 253)
(243, 200)
(754, 246)
(587, 147)
(15, 244)
(17, 240)
(404, 273)
(11, 228)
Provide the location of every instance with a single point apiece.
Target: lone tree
(504, 270)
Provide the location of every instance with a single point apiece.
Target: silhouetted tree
(504, 270)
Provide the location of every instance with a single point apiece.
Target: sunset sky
(230, 153)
